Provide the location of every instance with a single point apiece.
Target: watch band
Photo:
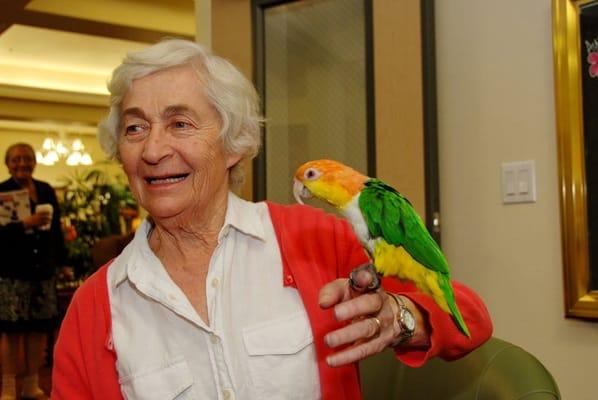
(405, 319)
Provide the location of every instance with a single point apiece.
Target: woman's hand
(36, 220)
(374, 325)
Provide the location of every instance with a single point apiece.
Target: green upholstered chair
(498, 370)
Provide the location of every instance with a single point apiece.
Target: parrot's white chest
(353, 213)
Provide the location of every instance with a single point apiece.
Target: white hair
(231, 94)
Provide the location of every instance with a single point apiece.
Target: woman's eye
(181, 124)
(133, 129)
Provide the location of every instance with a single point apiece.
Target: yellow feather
(332, 193)
(396, 261)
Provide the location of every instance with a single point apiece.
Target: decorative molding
(85, 26)
(54, 96)
(48, 126)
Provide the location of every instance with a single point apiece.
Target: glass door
(313, 70)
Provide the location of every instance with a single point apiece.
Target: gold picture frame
(580, 300)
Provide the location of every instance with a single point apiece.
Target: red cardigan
(316, 248)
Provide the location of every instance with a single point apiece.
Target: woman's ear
(232, 160)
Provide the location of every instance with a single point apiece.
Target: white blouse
(259, 344)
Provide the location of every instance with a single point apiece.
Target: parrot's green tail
(447, 289)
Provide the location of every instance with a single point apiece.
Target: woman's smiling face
(21, 162)
(169, 144)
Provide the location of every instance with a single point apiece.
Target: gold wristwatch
(405, 319)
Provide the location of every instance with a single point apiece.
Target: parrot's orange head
(328, 180)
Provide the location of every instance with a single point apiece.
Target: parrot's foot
(365, 278)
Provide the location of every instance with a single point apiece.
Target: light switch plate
(519, 182)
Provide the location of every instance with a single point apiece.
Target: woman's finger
(367, 334)
(365, 328)
(363, 305)
(358, 352)
(333, 293)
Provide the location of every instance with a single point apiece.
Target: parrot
(387, 226)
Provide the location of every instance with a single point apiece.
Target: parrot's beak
(300, 192)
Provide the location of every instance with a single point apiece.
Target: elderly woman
(32, 249)
(217, 297)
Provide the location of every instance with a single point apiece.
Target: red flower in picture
(593, 61)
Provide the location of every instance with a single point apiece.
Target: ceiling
(63, 51)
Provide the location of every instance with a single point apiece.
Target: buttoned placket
(156, 289)
(215, 347)
(215, 283)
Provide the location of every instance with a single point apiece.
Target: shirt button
(227, 394)
(215, 283)
(213, 338)
(288, 279)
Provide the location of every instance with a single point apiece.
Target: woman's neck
(27, 183)
(186, 236)
(24, 183)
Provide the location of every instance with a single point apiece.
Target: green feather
(445, 284)
(389, 215)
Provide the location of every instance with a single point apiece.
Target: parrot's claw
(358, 275)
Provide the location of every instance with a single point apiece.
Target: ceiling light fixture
(53, 151)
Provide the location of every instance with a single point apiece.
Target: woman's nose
(157, 145)
(23, 161)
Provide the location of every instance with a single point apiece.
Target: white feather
(353, 213)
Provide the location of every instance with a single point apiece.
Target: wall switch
(519, 182)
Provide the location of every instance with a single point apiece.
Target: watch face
(408, 320)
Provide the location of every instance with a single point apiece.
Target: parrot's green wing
(390, 216)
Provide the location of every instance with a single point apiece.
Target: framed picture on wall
(576, 79)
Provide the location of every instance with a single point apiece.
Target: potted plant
(94, 205)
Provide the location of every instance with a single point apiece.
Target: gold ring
(378, 327)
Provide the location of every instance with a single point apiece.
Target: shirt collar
(131, 256)
(241, 215)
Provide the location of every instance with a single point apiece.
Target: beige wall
(496, 104)
(54, 174)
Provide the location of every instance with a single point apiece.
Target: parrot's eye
(311, 174)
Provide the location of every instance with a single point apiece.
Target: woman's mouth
(164, 180)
